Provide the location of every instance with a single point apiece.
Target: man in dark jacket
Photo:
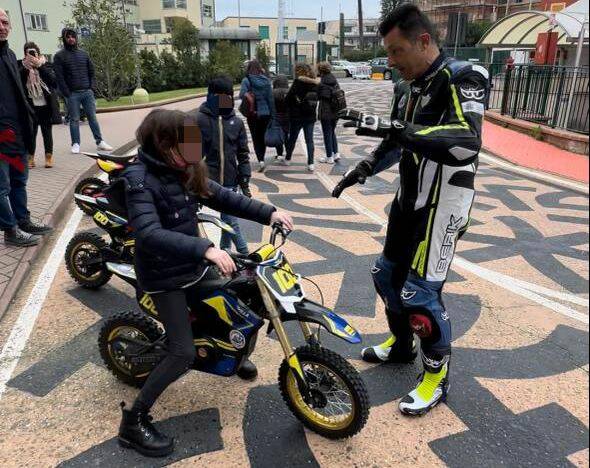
(328, 118)
(225, 150)
(435, 125)
(16, 128)
(75, 77)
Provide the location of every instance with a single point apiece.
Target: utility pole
(22, 15)
(123, 13)
(361, 26)
(239, 15)
(341, 48)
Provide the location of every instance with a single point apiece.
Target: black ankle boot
(137, 432)
(247, 370)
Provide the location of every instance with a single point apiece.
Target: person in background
(38, 80)
(302, 100)
(75, 77)
(280, 89)
(327, 116)
(225, 150)
(16, 128)
(259, 84)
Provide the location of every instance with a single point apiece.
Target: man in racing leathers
(435, 128)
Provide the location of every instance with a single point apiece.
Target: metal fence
(550, 95)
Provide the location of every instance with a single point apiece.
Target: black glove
(358, 175)
(366, 124)
(245, 187)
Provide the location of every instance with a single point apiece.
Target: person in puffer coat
(163, 189)
(225, 150)
(327, 116)
(302, 100)
(257, 82)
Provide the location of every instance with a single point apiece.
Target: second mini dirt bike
(111, 165)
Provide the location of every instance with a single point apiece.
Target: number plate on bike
(279, 276)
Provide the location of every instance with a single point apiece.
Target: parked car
(345, 65)
(380, 65)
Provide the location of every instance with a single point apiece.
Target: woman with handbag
(327, 114)
(257, 106)
(39, 81)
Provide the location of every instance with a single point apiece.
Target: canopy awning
(522, 28)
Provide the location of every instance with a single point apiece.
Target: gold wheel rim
(116, 332)
(333, 422)
(76, 252)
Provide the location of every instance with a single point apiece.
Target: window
(264, 32)
(37, 22)
(347, 29)
(152, 26)
(207, 11)
(169, 4)
(301, 28)
(370, 29)
(169, 22)
(285, 32)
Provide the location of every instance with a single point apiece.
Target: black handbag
(54, 108)
(274, 136)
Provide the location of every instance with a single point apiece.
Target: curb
(104, 110)
(556, 180)
(53, 217)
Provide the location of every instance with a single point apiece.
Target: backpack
(338, 100)
(248, 105)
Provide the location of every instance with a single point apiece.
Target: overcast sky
(298, 8)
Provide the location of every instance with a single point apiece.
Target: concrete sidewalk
(524, 150)
(50, 190)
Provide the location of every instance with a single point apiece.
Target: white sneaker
(75, 148)
(310, 167)
(326, 160)
(280, 158)
(104, 146)
(261, 166)
(336, 157)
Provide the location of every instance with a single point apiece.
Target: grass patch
(154, 97)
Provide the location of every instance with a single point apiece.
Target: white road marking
(25, 323)
(527, 290)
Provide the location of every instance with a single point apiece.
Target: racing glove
(358, 175)
(366, 124)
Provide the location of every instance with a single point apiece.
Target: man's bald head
(4, 25)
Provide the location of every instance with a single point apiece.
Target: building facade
(40, 21)
(267, 28)
(352, 37)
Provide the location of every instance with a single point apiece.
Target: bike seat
(115, 158)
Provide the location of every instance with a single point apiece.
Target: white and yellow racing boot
(391, 350)
(431, 390)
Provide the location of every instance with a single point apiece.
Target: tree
(263, 55)
(109, 45)
(475, 31)
(186, 46)
(226, 59)
(152, 77)
(171, 72)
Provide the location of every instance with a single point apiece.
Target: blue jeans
(330, 141)
(294, 129)
(13, 194)
(86, 100)
(237, 238)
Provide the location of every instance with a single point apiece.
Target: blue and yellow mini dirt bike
(320, 387)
